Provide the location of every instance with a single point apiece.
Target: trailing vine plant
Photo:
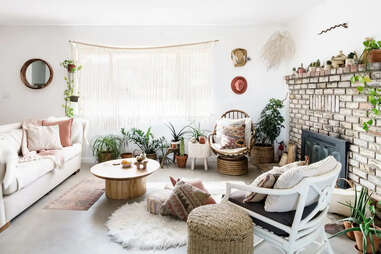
(374, 98)
(71, 68)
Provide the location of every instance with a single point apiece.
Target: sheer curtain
(143, 87)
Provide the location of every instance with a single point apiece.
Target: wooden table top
(107, 170)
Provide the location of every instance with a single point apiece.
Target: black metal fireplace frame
(340, 146)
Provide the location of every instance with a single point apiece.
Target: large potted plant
(107, 148)
(176, 135)
(372, 51)
(267, 130)
(366, 233)
(146, 142)
(181, 158)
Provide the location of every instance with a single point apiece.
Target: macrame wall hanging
(278, 47)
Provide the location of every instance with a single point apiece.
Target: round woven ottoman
(219, 229)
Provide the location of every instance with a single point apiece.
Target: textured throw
(80, 197)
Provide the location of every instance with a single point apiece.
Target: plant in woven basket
(267, 130)
(366, 233)
(107, 147)
(146, 141)
(181, 158)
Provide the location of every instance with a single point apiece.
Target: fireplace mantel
(326, 102)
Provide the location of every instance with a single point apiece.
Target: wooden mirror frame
(25, 67)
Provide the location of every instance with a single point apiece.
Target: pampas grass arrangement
(278, 47)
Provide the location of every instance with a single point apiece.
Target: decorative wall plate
(239, 57)
(239, 85)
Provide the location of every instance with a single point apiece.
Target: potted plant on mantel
(107, 148)
(372, 51)
(176, 135)
(181, 158)
(362, 225)
(267, 130)
(146, 142)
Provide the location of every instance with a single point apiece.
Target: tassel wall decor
(278, 47)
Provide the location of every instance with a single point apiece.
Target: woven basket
(262, 154)
(232, 166)
(218, 229)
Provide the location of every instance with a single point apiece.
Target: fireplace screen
(318, 146)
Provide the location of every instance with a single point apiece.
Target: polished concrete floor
(44, 231)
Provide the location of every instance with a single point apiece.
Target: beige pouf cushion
(219, 229)
(156, 200)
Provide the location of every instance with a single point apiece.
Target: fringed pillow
(183, 200)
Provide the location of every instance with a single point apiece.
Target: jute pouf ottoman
(219, 229)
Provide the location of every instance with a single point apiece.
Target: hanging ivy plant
(374, 98)
(71, 68)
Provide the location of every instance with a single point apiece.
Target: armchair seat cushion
(228, 152)
(285, 218)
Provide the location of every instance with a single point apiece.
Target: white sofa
(33, 179)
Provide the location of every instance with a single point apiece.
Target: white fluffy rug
(133, 227)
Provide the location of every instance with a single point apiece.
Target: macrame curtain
(142, 87)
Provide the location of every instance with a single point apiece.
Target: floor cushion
(285, 218)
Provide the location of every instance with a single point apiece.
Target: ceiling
(151, 12)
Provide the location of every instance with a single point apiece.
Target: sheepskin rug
(133, 227)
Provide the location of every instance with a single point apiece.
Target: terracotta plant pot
(359, 245)
(348, 225)
(202, 140)
(181, 160)
(262, 154)
(70, 67)
(126, 155)
(151, 156)
(105, 156)
(374, 56)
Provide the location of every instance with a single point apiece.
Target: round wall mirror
(36, 73)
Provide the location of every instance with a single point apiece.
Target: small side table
(197, 150)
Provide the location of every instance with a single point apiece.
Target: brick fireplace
(326, 102)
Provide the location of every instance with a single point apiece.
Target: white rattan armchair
(303, 231)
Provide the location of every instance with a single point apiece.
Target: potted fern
(182, 157)
(107, 148)
(146, 141)
(267, 130)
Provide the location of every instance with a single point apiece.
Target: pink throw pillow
(65, 130)
(197, 184)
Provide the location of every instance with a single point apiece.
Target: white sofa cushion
(28, 172)
(292, 177)
(70, 152)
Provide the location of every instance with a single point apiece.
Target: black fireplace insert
(318, 146)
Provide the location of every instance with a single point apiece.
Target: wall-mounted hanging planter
(239, 85)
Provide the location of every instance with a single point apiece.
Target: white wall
(19, 44)
(363, 18)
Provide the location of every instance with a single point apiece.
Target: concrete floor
(44, 231)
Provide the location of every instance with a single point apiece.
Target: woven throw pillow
(267, 180)
(197, 184)
(183, 200)
(233, 136)
(65, 127)
(43, 138)
(292, 177)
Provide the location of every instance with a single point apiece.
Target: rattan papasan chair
(233, 161)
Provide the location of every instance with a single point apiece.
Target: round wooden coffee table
(123, 183)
